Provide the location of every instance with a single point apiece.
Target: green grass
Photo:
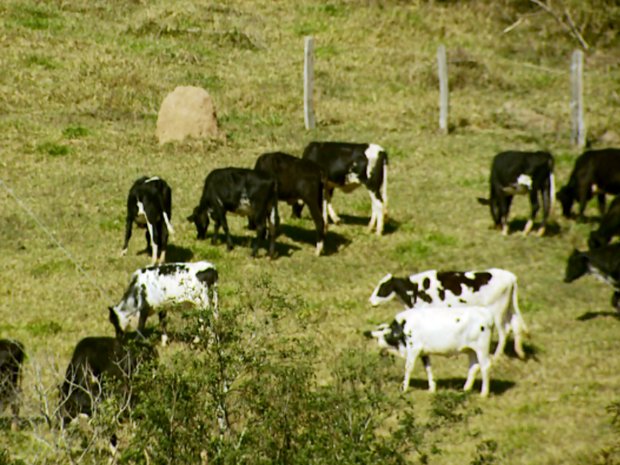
(80, 87)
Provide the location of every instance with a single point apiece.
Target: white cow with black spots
(154, 287)
(494, 289)
(349, 166)
(443, 331)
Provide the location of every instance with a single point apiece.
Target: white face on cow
(383, 292)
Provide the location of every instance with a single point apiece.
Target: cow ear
(482, 201)
(191, 218)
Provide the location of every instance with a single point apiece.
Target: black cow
(349, 166)
(603, 262)
(12, 357)
(596, 172)
(514, 173)
(241, 191)
(609, 227)
(95, 358)
(299, 182)
(149, 205)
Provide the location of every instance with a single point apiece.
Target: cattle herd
(446, 312)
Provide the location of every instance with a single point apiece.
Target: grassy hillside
(81, 83)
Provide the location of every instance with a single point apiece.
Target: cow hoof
(123, 252)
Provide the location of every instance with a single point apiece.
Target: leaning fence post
(578, 126)
(308, 77)
(443, 89)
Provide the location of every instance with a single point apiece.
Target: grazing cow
(93, 359)
(443, 331)
(243, 192)
(154, 287)
(596, 172)
(12, 357)
(609, 227)
(349, 166)
(520, 173)
(493, 289)
(604, 263)
(299, 181)
(149, 205)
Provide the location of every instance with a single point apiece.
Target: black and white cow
(521, 173)
(443, 331)
(155, 287)
(12, 357)
(349, 166)
(596, 172)
(493, 289)
(299, 181)
(604, 263)
(609, 227)
(149, 205)
(93, 359)
(241, 191)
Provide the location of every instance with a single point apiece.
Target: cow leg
(128, 226)
(517, 331)
(155, 238)
(504, 202)
(260, 233)
(432, 386)
(132, 211)
(296, 210)
(162, 323)
(601, 204)
(535, 207)
(274, 222)
(229, 243)
(163, 242)
(412, 356)
(501, 342)
(317, 217)
(546, 199)
(332, 213)
(615, 300)
(584, 194)
(474, 366)
(485, 366)
(377, 216)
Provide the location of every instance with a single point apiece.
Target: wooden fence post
(578, 126)
(308, 78)
(443, 89)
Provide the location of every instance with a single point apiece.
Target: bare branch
(569, 27)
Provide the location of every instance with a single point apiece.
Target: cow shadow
(591, 315)
(246, 242)
(178, 254)
(389, 227)
(516, 226)
(333, 241)
(497, 386)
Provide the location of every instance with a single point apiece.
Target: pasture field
(81, 83)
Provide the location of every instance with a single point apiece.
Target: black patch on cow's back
(208, 276)
(453, 280)
(396, 335)
(419, 293)
(426, 283)
(170, 269)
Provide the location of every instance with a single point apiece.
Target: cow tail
(517, 318)
(324, 181)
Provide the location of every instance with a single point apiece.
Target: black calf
(514, 173)
(609, 227)
(299, 181)
(12, 357)
(95, 358)
(149, 205)
(243, 192)
(603, 262)
(596, 172)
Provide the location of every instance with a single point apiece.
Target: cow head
(390, 287)
(116, 323)
(565, 197)
(577, 266)
(200, 217)
(390, 337)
